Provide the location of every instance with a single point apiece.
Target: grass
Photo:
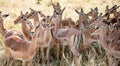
(92, 56)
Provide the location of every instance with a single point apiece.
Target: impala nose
(32, 32)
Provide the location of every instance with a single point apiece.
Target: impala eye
(25, 19)
(32, 12)
(22, 17)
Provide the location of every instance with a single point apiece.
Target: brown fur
(26, 30)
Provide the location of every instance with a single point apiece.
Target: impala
(19, 47)
(26, 30)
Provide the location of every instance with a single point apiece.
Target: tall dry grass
(92, 56)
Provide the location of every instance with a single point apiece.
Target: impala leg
(30, 63)
(58, 49)
(7, 56)
(15, 62)
(47, 55)
(42, 52)
(110, 59)
(75, 55)
(63, 48)
(23, 63)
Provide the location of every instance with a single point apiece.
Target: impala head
(79, 13)
(33, 13)
(102, 29)
(21, 18)
(93, 12)
(46, 20)
(98, 22)
(57, 9)
(111, 10)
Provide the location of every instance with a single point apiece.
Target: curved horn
(107, 7)
(41, 14)
(77, 11)
(21, 12)
(31, 9)
(58, 3)
(0, 13)
(81, 10)
(92, 9)
(62, 10)
(96, 9)
(53, 4)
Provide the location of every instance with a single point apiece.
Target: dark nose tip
(32, 33)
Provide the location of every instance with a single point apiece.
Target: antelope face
(21, 18)
(46, 20)
(57, 8)
(93, 12)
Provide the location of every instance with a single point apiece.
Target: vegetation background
(13, 7)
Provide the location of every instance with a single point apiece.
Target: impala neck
(26, 31)
(33, 45)
(103, 38)
(2, 30)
